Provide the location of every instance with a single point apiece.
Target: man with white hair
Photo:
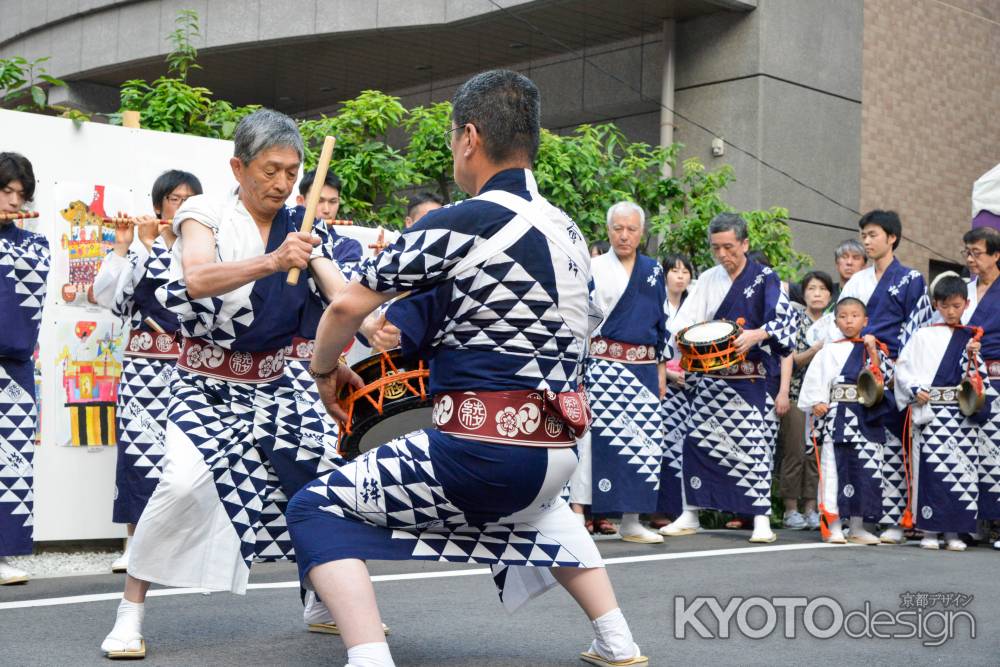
(619, 469)
(232, 438)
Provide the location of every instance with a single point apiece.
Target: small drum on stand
(394, 401)
(709, 346)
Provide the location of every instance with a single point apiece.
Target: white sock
(857, 525)
(836, 528)
(375, 654)
(127, 633)
(630, 525)
(930, 535)
(688, 518)
(895, 532)
(613, 639)
(761, 524)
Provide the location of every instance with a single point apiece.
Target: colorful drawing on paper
(85, 238)
(37, 359)
(91, 364)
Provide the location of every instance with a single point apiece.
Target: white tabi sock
(762, 524)
(836, 530)
(857, 526)
(127, 633)
(613, 639)
(375, 654)
(631, 526)
(688, 518)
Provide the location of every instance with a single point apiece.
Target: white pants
(184, 537)
(580, 490)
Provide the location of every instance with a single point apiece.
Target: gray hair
(625, 208)
(849, 245)
(728, 222)
(265, 129)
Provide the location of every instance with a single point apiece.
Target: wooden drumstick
(18, 215)
(312, 200)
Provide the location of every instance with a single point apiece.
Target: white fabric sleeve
(816, 382)
(117, 274)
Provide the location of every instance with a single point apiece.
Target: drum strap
(527, 215)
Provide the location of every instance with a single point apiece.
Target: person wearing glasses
(982, 256)
(24, 266)
(126, 284)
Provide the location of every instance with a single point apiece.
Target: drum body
(393, 402)
(709, 346)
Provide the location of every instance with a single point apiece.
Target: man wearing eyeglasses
(126, 284)
(982, 256)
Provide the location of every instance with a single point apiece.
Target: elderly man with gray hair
(233, 455)
(619, 468)
(849, 258)
(728, 450)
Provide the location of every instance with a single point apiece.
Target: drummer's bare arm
(328, 276)
(341, 320)
(922, 397)
(661, 371)
(206, 277)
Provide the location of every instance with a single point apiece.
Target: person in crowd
(679, 272)
(732, 425)
(849, 434)
(944, 494)
(24, 267)
(619, 470)
(798, 470)
(126, 284)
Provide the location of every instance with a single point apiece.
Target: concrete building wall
(930, 124)
(784, 83)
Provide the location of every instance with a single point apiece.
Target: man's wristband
(325, 374)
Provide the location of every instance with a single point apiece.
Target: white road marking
(624, 560)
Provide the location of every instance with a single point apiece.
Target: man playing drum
(728, 448)
(619, 468)
(502, 281)
(232, 434)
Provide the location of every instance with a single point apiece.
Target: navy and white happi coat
(897, 306)
(316, 425)
(517, 321)
(233, 453)
(127, 286)
(945, 449)
(728, 450)
(851, 435)
(674, 412)
(985, 313)
(625, 441)
(24, 267)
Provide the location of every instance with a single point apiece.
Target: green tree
(429, 151)
(170, 103)
(684, 226)
(372, 171)
(21, 88)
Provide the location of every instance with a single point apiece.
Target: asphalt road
(439, 619)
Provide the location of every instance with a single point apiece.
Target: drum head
(397, 419)
(707, 332)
